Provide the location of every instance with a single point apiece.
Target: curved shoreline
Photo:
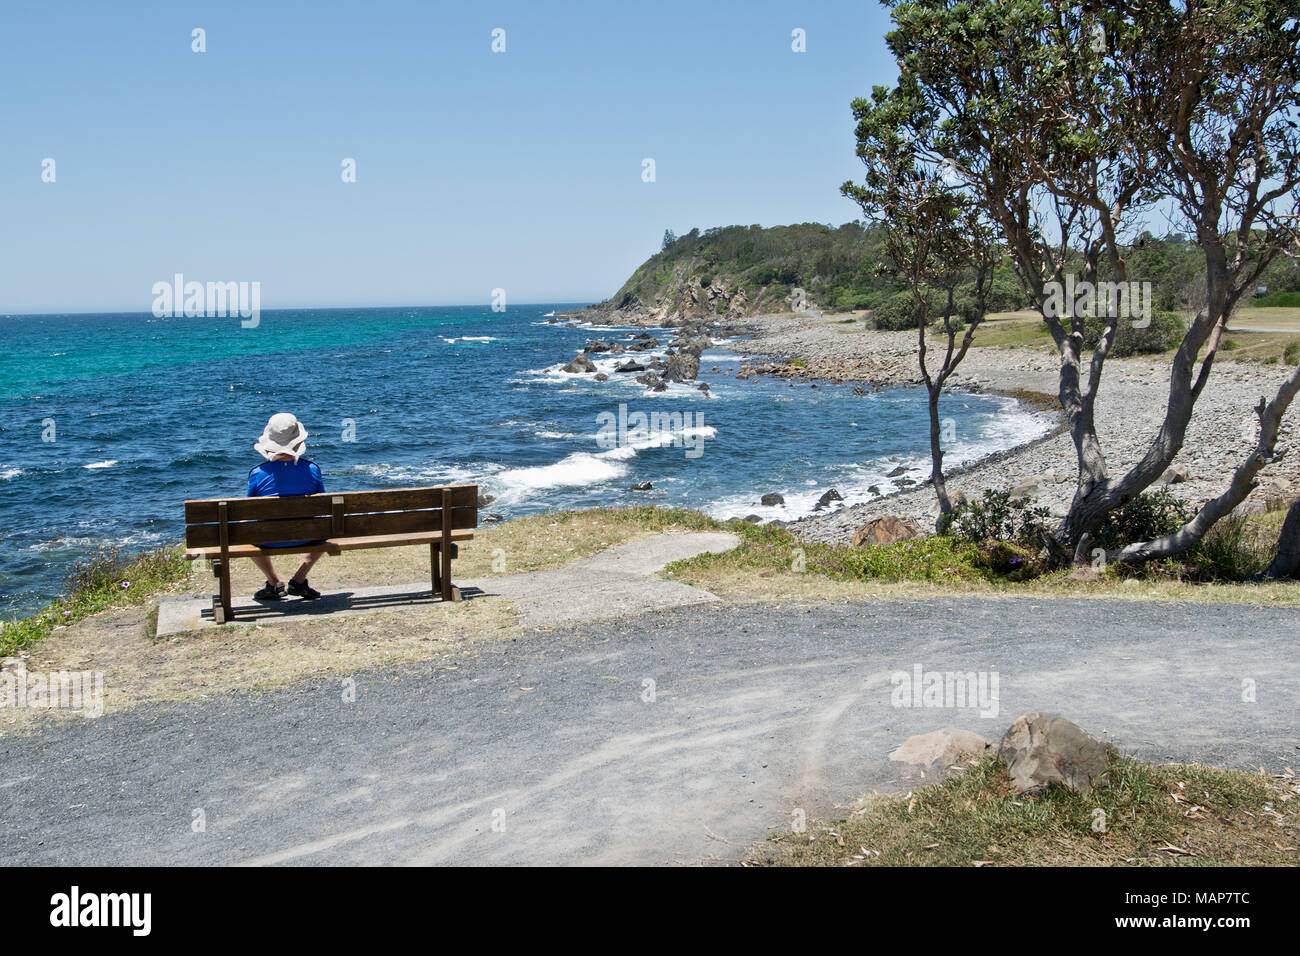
(1130, 408)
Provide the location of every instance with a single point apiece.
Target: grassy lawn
(1165, 815)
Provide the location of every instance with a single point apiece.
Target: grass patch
(772, 549)
(771, 564)
(109, 579)
(1165, 815)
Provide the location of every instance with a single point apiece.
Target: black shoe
(303, 590)
(272, 592)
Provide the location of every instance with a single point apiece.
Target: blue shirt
(277, 479)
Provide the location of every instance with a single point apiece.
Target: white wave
(107, 463)
(577, 470)
(583, 469)
(10, 473)
(555, 435)
(430, 474)
(471, 338)
(1011, 426)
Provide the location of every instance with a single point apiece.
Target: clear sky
(475, 170)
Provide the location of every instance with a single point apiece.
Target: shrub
(994, 519)
(1163, 333)
(1292, 353)
(1230, 551)
(1152, 514)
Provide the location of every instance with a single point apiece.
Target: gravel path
(548, 751)
(1130, 407)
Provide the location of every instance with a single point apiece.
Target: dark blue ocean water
(146, 412)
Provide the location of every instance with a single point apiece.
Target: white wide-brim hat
(283, 435)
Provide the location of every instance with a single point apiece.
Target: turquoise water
(145, 412)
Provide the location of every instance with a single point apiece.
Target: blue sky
(475, 170)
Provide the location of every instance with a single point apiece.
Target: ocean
(108, 422)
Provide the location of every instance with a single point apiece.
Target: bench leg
(449, 593)
(222, 611)
(435, 567)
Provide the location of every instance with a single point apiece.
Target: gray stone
(1044, 749)
(771, 500)
(940, 749)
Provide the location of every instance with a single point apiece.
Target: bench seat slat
(333, 545)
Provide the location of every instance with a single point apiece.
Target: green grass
(976, 817)
(764, 547)
(106, 580)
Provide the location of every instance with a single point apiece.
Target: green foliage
(1150, 515)
(1288, 300)
(1164, 332)
(1291, 355)
(1230, 551)
(104, 580)
(994, 519)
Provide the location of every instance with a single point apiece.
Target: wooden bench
(222, 529)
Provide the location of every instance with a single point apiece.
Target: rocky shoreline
(1130, 406)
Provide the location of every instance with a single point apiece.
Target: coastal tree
(1072, 125)
(936, 238)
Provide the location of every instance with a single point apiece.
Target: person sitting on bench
(285, 472)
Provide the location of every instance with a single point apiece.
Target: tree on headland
(936, 238)
(1072, 125)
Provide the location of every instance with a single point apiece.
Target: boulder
(640, 344)
(753, 519)
(640, 486)
(485, 500)
(653, 382)
(1174, 475)
(629, 366)
(601, 377)
(886, 530)
(1044, 749)
(597, 346)
(940, 749)
(771, 500)
(825, 500)
(957, 499)
(682, 367)
(900, 470)
(580, 364)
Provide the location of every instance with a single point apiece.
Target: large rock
(825, 500)
(580, 364)
(682, 367)
(1174, 475)
(630, 366)
(771, 500)
(886, 530)
(1044, 749)
(940, 749)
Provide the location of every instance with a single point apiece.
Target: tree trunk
(1286, 563)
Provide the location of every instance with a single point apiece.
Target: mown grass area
(109, 579)
(1150, 815)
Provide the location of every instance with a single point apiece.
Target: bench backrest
(216, 522)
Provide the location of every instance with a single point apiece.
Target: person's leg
(263, 562)
(308, 561)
